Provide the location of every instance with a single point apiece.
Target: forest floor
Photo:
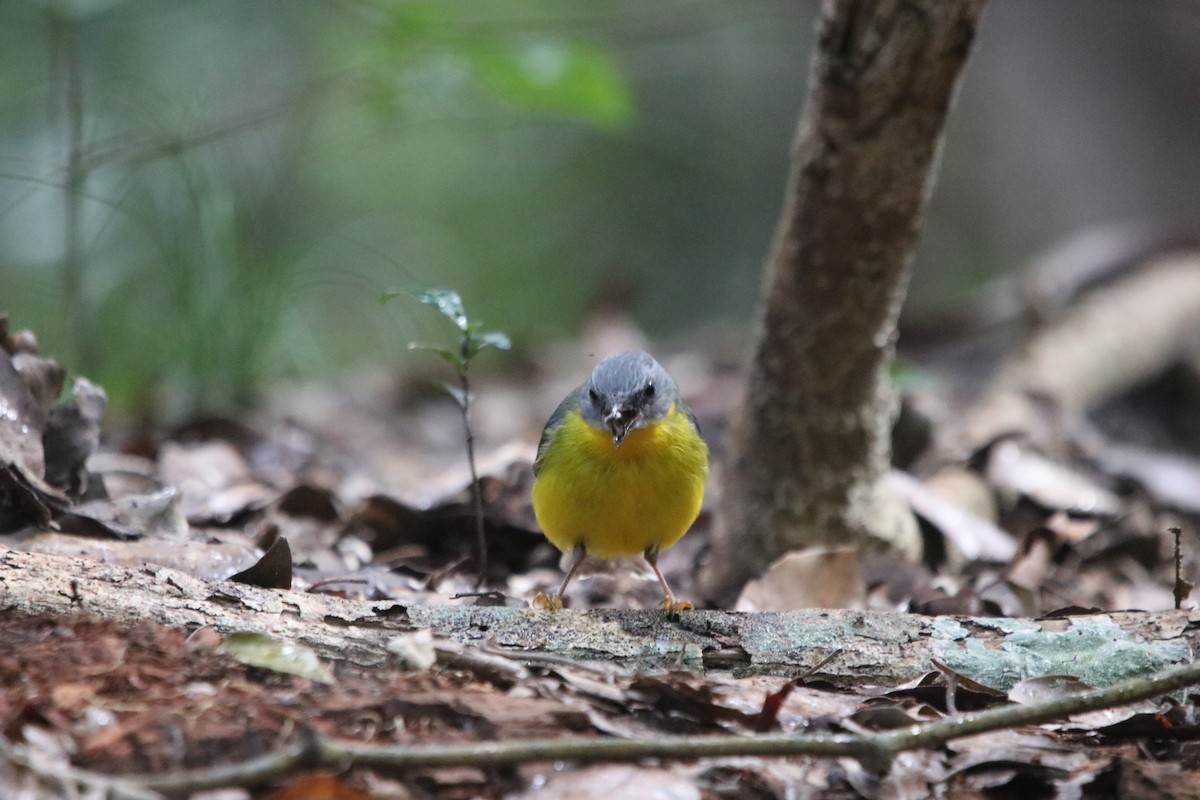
(1069, 512)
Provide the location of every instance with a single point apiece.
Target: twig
(66, 42)
(1182, 588)
(321, 585)
(471, 342)
(67, 781)
(311, 750)
(476, 490)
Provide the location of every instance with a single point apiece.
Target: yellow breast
(620, 501)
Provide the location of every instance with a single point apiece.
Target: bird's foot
(674, 606)
(549, 602)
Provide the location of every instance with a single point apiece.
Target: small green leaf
(446, 301)
(260, 650)
(456, 393)
(495, 339)
(575, 78)
(486, 339)
(450, 356)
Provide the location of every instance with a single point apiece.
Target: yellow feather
(620, 501)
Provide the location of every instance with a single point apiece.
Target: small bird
(620, 469)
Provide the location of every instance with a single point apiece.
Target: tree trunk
(810, 446)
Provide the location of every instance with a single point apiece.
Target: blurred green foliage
(200, 196)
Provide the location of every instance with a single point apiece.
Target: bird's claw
(547, 602)
(674, 606)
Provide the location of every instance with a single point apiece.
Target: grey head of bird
(627, 391)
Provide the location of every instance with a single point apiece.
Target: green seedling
(471, 342)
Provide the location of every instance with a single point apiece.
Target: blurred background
(201, 197)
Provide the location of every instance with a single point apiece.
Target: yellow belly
(620, 501)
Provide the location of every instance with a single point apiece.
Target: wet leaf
(451, 357)
(446, 301)
(482, 341)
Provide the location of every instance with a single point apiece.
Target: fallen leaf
(272, 571)
(260, 650)
(317, 787)
(949, 691)
(72, 434)
(813, 578)
(1033, 691)
(413, 650)
(1029, 568)
(1018, 470)
(969, 529)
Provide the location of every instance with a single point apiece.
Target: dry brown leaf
(1028, 570)
(814, 578)
(318, 787)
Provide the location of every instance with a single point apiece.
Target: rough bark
(875, 648)
(809, 448)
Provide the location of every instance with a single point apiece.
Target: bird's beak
(620, 421)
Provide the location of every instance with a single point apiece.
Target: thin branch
(476, 489)
(876, 750)
(75, 303)
(67, 781)
(1181, 588)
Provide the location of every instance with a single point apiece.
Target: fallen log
(875, 647)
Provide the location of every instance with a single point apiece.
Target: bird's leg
(555, 603)
(669, 602)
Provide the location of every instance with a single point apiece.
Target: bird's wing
(686, 409)
(569, 404)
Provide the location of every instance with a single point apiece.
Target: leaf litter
(363, 490)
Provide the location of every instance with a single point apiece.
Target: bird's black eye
(593, 395)
(648, 391)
